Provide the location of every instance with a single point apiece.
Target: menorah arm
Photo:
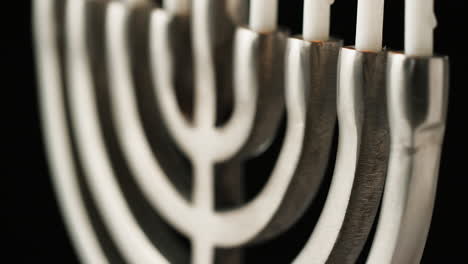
(163, 72)
(310, 98)
(355, 191)
(239, 226)
(124, 229)
(232, 136)
(417, 99)
(148, 173)
(58, 143)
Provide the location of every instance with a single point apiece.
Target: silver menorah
(128, 91)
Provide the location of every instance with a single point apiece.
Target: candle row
(419, 22)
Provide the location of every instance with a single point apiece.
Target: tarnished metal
(417, 89)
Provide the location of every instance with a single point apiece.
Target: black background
(33, 232)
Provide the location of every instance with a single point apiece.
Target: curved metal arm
(292, 186)
(311, 67)
(231, 137)
(355, 191)
(417, 99)
(58, 143)
(148, 173)
(98, 169)
(163, 72)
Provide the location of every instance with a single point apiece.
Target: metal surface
(131, 95)
(310, 90)
(57, 138)
(84, 79)
(417, 101)
(92, 151)
(356, 188)
(272, 211)
(238, 10)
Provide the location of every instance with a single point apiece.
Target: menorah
(135, 99)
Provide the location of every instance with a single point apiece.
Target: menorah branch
(361, 162)
(163, 71)
(417, 98)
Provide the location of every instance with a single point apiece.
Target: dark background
(33, 232)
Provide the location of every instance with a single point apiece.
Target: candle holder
(149, 120)
(360, 169)
(417, 89)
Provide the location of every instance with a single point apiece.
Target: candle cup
(417, 99)
(355, 192)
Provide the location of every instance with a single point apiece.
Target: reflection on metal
(417, 89)
(354, 195)
(141, 107)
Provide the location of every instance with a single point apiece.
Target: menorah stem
(203, 248)
(204, 185)
(229, 184)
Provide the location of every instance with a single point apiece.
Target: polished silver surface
(417, 102)
(354, 195)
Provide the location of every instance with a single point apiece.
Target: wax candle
(263, 15)
(316, 21)
(369, 26)
(179, 7)
(420, 22)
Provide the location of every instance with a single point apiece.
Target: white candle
(316, 24)
(369, 26)
(420, 22)
(263, 15)
(178, 7)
